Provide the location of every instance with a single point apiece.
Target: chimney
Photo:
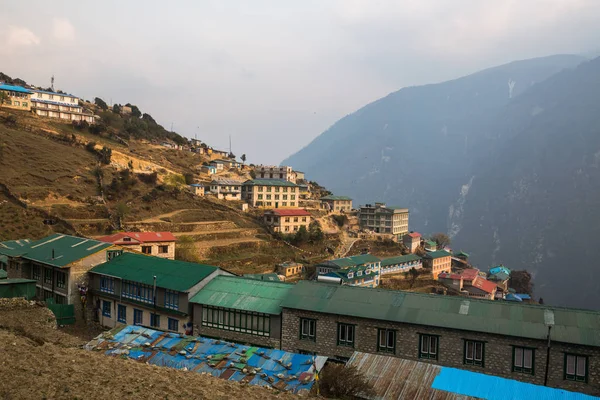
(53, 254)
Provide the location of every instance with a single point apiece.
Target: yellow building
(290, 269)
(15, 97)
(270, 193)
(439, 261)
(287, 220)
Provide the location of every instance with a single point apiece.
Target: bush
(91, 147)
(341, 382)
(81, 125)
(189, 178)
(340, 220)
(97, 129)
(105, 155)
(10, 120)
(149, 179)
(101, 103)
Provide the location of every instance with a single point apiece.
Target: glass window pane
(350, 334)
(390, 335)
(581, 366)
(527, 358)
(433, 345)
(424, 344)
(469, 351)
(479, 351)
(518, 357)
(570, 365)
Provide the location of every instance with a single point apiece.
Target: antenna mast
(52, 83)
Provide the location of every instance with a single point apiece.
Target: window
(308, 329)
(474, 351)
(16, 103)
(295, 219)
(61, 279)
(285, 189)
(292, 204)
(138, 317)
(284, 197)
(345, 335)
(58, 299)
(576, 367)
(155, 320)
(523, 359)
(110, 254)
(350, 275)
(268, 197)
(106, 308)
(37, 273)
(173, 324)
(284, 204)
(303, 219)
(51, 97)
(147, 249)
(163, 249)
(138, 291)
(122, 313)
(428, 346)
(172, 300)
(386, 340)
(358, 273)
(47, 275)
(236, 320)
(260, 189)
(260, 196)
(287, 219)
(62, 98)
(277, 189)
(24, 104)
(293, 197)
(107, 284)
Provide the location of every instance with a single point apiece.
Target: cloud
(18, 36)
(63, 30)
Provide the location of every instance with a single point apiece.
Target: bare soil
(39, 361)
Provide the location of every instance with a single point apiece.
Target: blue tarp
(495, 388)
(254, 365)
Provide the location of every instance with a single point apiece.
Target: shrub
(10, 120)
(101, 103)
(149, 179)
(341, 382)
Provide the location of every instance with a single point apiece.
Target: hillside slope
(534, 201)
(415, 147)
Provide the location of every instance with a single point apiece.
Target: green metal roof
(13, 281)
(399, 259)
(67, 249)
(263, 277)
(462, 253)
(438, 254)
(269, 182)
(3, 259)
(348, 262)
(431, 243)
(14, 248)
(243, 294)
(3, 274)
(495, 317)
(334, 198)
(170, 274)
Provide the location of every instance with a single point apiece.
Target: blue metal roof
(495, 388)
(54, 93)
(279, 369)
(13, 88)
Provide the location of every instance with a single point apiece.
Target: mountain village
(295, 315)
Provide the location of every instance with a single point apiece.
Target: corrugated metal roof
(271, 276)
(504, 318)
(3, 274)
(289, 212)
(269, 182)
(139, 237)
(399, 259)
(288, 372)
(14, 248)
(170, 274)
(67, 249)
(495, 388)
(336, 198)
(395, 378)
(438, 254)
(243, 294)
(13, 88)
(353, 261)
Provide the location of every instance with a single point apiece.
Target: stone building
(160, 244)
(228, 189)
(58, 263)
(338, 204)
(270, 193)
(240, 309)
(382, 219)
(122, 291)
(197, 189)
(412, 241)
(286, 220)
(285, 173)
(511, 340)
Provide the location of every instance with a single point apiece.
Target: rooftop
(67, 249)
(54, 93)
(226, 182)
(271, 277)
(414, 235)
(13, 88)
(269, 182)
(503, 318)
(243, 294)
(399, 259)
(289, 212)
(336, 198)
(170, 274)
(138, 237)
(484, 284)
(14, 247)
(353, 261)
(437, 254)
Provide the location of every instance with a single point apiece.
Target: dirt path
(157, 218)
(226, 242)
(232, 230)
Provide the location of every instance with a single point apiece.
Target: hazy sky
(274, 74)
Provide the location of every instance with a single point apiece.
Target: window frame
(310, 336)
(574, 377)
(136, 312)
(164, 247)
(473, 361)
(61, 279)
(384, 348)
(171, 299)
(107, 284)
(170, 322)
(105, 312)
(522, 368)
(48, 275)
(344, 326)
(228, 319)
(147, 247)
(154, 320)
(122, 313)
(427, 355)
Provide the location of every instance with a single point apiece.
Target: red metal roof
(138, 237)
(414, 235)
(291, 212)
(470, 274)
(484, 285)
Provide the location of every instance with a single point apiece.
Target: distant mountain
(503, 160)
(414, 147)
(535, 201)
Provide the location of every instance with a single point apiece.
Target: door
(276, 204)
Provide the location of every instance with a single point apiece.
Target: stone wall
(498, 349)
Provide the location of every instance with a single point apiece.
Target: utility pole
(52, 83)
(154, 299)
